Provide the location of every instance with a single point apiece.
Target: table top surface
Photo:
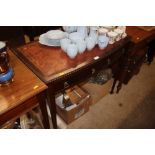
(24, 86)
(51, 62)
(138, 34)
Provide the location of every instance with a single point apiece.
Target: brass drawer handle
(66, 84)
(109, 61)
(93, 70)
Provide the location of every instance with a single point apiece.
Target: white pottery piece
(103, 31)
(72, 50)
(56, 34)
(103, 41)
(124, 31)
(70, 29)
(90, 42)
(64, 43)
(112, 37)
(119, 34)
(94, 34)
(81, 46)
(76, 36)
(83, 30)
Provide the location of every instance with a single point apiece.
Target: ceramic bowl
(64, 43)
(103, 41)
(90, 42)
(72, 50)
(81, 46)
(56, 34)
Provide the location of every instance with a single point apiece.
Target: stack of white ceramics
(52, 38)
(77, 42)
(84, 38)
(76, 39)
(114, 33)
(74, 44)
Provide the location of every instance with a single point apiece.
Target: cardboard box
(80, 101)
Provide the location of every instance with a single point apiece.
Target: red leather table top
(52, 60)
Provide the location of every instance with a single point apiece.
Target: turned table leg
(42, 102)
(113, 86)
(119, 86)
(52, 105)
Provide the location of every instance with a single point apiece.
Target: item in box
(80, 104)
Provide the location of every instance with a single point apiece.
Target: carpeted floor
(132, 108)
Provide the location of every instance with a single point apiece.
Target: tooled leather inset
(52, 60)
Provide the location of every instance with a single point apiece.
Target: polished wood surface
(25, 86)
(51, 62)
(137, 51)
(139, 35)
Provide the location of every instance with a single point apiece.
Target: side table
(135, 56)
(23, 94)
(59, 72)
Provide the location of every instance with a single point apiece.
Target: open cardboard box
(80, 100)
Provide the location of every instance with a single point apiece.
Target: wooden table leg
(42, 102)
(113, 86)
(52, 105)
(119, 86)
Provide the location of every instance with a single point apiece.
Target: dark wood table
(134, 58)
(59, 72)
(23, 94)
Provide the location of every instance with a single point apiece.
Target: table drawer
(76, 77)
(81, 74)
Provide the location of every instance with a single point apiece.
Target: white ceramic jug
(81, 46)
(103, 41)
(94, 33)
(90, 43)
(83, 30)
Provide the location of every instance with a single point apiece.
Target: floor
(132, 108)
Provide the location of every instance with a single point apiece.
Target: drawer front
(86, 72)
(134, 60)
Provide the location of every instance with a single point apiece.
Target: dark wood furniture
(12, 35)
(59, 72)
(23, 94)
(141, 40)
(150, 51)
